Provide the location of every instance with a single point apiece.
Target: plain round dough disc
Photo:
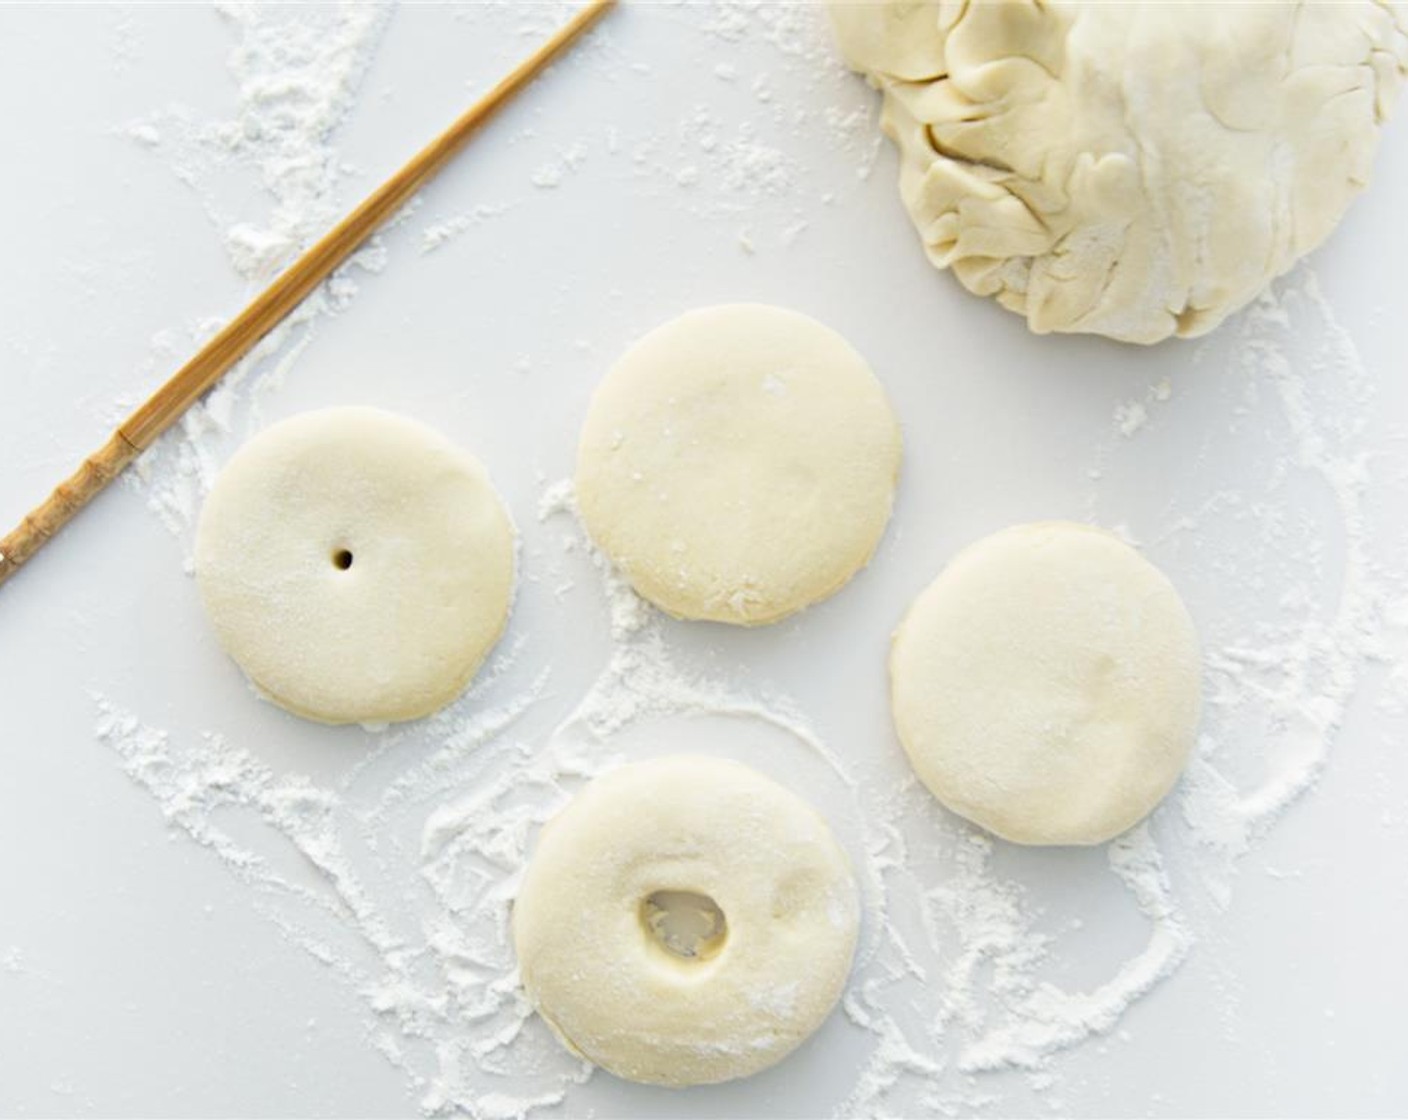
(1046, 685)
(357, 565)
(611, 989)
(738, 464)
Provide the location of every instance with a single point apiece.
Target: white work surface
(686, 155)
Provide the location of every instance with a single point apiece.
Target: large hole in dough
(686, 925)
(342, 559)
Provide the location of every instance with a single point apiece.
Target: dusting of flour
(297, 70)
(467, 790)
(399, 875)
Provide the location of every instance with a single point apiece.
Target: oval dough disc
(1046, 685)
(357, 565)
(686, 826)
(738, 464)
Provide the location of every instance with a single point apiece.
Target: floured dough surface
(1046, 685)
(738, 464)
(685, 921)
(357, 565)
(1136, 170)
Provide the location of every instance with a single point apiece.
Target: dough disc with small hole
(1046, 685)
(773, 921)
(738, 464)
(357, 565)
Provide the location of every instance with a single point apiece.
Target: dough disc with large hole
(738, 464)
(1046, 685)
(357, 565)
(685, 921)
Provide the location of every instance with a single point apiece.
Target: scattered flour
(297, 72)
(441, 971)
(1043, 1018)
(552, 173)
(470, 787)
(1130, 417)
(1285, 682)
(399, 876)
(438, 233)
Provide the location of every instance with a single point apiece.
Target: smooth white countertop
(688, 155)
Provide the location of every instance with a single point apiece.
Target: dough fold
(1136, 170)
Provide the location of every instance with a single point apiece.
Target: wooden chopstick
(140, 430)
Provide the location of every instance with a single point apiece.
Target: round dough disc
(357, 565)
(1046, 685)
(738, 464)
(769, 970)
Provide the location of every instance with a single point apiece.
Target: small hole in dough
(342, 559)
(684, 924)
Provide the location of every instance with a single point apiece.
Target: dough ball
(1135, 170)
(1046, 685)
(685, 921)
(357, 565)
(738, 464)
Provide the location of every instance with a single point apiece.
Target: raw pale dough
(685, 921)
(357, 565)
(1129, 169)
(1046, 685)
(738, 464)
